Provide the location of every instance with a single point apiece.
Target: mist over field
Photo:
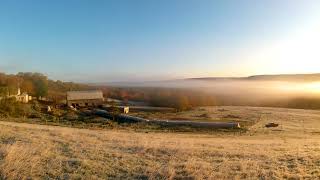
(253, 91)
(291, 84)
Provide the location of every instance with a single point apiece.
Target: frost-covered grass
(291, 151)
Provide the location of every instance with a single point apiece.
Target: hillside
(280, 77)
(290, 151)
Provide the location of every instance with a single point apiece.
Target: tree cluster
(36, 85)
(181, 99)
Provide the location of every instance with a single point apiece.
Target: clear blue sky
(122, 40)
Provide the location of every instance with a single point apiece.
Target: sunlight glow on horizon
(296, 53)
(313, 87)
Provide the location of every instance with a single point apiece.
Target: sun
(297, 52)
(313, 87)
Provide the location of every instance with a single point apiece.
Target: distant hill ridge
(280, 77)
(173, 82)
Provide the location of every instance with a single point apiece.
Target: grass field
(290, 151)
(246, 116)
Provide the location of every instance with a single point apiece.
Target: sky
(143, 40)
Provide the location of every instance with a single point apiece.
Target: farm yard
(289, 151)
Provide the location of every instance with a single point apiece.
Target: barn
(85, 98)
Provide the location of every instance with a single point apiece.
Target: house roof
(84, 95)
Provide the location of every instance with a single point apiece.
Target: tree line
(183, 98)
(36, 85)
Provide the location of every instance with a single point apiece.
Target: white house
(24, 97)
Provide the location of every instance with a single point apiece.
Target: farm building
(24, 97)
(84, 98)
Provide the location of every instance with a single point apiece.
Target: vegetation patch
(7, 140)
(231, 116)
(9, 107)
(71, 165)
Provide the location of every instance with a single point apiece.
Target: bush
(9, 107)
(36, 106)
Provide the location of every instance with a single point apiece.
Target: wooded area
(36, 85)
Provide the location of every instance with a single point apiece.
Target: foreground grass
(37, 151)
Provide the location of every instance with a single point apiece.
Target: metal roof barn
(84, 95)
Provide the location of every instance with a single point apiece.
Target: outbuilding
(24, 97)
(85, 98)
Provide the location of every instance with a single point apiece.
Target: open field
(290, 151)
(246, 116)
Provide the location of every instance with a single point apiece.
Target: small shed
(84, 98)
(24, 97)
(126, 109)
